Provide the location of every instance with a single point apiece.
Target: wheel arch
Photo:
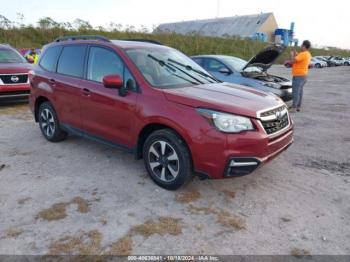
(153, 126)
(38, 101)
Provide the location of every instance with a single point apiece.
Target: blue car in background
(252, 73)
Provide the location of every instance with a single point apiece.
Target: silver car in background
(317, 63)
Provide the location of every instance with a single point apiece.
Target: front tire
(167, 159)
(49, 124)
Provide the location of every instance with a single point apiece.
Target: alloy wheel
(163, 161)
(47, 122)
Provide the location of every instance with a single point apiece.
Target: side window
(103, 62)
(129, 81)
(71, 61)
(214, 65)
(49, 59)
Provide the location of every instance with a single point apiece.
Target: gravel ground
(80, 197)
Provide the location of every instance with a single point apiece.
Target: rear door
(67, 82)
(105, 113)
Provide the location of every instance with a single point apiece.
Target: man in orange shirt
(300, 70)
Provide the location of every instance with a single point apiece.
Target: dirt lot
(82, 197)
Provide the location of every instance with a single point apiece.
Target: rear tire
(49, 123)
(167, 159)
(318, 66)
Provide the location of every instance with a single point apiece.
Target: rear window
(50, 57)
(10, 56)
(71, 61)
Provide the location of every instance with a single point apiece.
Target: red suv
(14, 69)
(157, 103)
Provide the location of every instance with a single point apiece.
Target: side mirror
(225, 70)
(113, 81)
(131, 85)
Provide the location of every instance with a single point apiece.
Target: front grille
(274, 120)
(14, 79)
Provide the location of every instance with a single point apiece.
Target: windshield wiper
(188, 67)
(171, 68)
(183, 71)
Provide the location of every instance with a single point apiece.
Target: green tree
(47, 23)
(82, 25)
(20, 20)
(5, 23)
(114, 27)
(67, 26)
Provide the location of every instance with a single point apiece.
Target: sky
(324, 23)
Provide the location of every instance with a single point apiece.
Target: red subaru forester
(14, 69)
(157, 103)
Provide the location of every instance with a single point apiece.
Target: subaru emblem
(278, 115)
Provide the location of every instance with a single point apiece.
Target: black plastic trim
(241, 170)
(84, 134)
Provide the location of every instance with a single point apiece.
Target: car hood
(224, 97)
(265, 57)
(14, 68)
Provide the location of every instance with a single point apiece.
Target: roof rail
(144, 40)
(82, 37)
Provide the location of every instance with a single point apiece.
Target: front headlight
(227, 123)
(272, 85)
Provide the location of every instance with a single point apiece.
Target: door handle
(86, 92)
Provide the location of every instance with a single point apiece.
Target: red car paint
(10, 89)
(101, 112)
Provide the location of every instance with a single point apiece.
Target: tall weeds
(36, 37)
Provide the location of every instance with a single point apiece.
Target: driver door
(106, 115)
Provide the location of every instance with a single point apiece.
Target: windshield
(10, 56)
(160, 67)
(237, 64)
